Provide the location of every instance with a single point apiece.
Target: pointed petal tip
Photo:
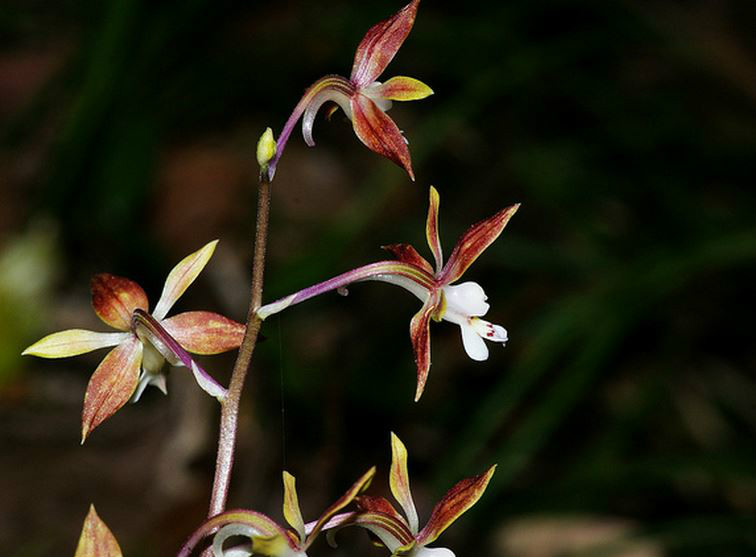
(403, 88)
(419, 392)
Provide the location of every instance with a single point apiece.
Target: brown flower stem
(230, 405)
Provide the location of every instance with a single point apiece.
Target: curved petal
(330, 81)
(379, 132)
(370, 503)
(111, 385)
(473, 242)
(291, 510)
(96, 539)
(204, 332)
(357, 487)
(259, 524)
(456, 501)
(230, 531)
(72, 343)
(407, 254)
(431, 229)
(390, 530)
(115, 298)
(474, 345)
(401, 88)
(399, 481)
(181, 276)
(420, 335)
(337, 94)
(381, 43)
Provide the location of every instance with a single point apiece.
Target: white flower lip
(465, 303)
(465, 300)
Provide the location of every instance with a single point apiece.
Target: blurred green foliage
(626, 130)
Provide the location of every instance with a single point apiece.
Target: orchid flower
(267, 537)
(463, 304)
(363, 99)
(144, 342)
(402, 534)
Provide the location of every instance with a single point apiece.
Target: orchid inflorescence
(145, 341)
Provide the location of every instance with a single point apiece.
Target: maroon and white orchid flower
(463, 304)
(363, 99)
(402, 534)
(266, 536)
(145, 341)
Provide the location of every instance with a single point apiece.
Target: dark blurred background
(622, 411)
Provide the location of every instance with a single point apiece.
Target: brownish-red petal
(111, 385)
(381, 43)
(370, 503)
(379, 132)
(407, 254)
(115, 298)
(420, 335)
(456, 501)
(96, 539)
(473, 242)
(357, 487)
(204, 332)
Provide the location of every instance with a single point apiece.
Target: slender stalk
(230, 406)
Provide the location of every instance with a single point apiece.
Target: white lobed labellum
(432, 552)
(465, 300)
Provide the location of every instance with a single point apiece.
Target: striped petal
(111, 385)
(115, 298)
(392, 532)
(274, 539)
(291, 510)
(72, 343)
(407, 254)
(473, 242)
(96, 539)
(369, 503)
(204, 332)
(431, 229)
(181, 276)
(420, 335)
(399, 481)
(401, 88)
(379, 132)
(381, 43)
(456, 501)
(357, 487)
